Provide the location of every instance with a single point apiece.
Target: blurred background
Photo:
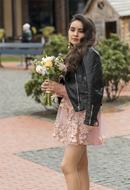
(110, 16)
(38, 13)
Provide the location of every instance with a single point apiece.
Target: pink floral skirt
(69, 127)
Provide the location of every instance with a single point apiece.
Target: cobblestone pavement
(13, 100)
(30, 157)
(103, 171)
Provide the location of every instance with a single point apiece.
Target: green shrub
(56, 44)
(2, 33)
(33, 86)
(47, 31)
(115, 56)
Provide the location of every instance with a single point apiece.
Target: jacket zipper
(77, 92)
(91, 115)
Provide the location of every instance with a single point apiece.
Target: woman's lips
(75, 39)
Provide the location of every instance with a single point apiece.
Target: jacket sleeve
(93, 71)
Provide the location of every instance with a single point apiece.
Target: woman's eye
(81, 31)
(72, 29)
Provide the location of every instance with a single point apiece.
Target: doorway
(1, 14)
(110, 27)
(41, 13)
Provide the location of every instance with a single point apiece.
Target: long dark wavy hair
(76, 53)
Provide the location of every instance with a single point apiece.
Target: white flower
(44, 71)
(41, 70)
(49, 58)
(62, 67)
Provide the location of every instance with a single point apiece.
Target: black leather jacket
(85, 86)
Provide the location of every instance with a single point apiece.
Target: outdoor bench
(29, 50)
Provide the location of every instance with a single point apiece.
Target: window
(111, 27)
(100, 4)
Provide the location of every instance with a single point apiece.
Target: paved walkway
(30, 157)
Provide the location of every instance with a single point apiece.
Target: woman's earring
(69, 45)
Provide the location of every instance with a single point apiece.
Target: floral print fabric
(69, 127)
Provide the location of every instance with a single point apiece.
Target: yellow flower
(48, 64)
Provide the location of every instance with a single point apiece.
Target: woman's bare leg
(83, 172)
(72, 157)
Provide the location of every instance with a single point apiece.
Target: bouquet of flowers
(50, 67)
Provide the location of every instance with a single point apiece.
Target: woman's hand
(49, 85)
(89, 128)
(53, 87)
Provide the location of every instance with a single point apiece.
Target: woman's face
(76, 32)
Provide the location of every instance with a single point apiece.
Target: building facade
(39, 13)
(110, 16)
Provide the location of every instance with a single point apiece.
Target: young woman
(78, 118)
